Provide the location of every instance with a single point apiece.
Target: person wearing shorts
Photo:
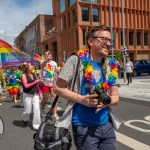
(49, 76)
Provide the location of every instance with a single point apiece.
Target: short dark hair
(47, 51)
(93, 31)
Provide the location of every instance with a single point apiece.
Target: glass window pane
(90, 1)
(74, 16)
(138, 38)
(84, 36)
(85, 14)
(71, 2)
(146, 38)
(62, 5)
(130, 38)
(95, 15)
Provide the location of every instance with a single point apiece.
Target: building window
(64, 22)
(95, 13)
(85, 14)
(74, 16)
(68, 19)
(46, 47)
(76, 38)
(62, 5)
(131, 38)
(84, 36)
(36, 26)
(61, 25)
(71, 2)
(90, 1)
(146, 38)
(138, 38)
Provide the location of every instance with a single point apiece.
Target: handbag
(50, 137)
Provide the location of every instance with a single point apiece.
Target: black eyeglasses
(103, 39)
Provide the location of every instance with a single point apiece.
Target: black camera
(102, 96)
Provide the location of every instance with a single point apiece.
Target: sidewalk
(140, 90)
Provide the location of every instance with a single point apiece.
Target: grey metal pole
(123, 38)
(111, 30)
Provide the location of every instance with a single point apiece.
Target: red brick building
(30, 39)
(73, 19)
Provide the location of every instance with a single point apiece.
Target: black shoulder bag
(49, 137)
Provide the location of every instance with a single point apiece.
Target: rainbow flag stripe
(6, 47)
(48, 71)
(38, 58)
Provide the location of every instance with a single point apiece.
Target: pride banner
(16, 59)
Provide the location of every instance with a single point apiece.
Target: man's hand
(90, 100)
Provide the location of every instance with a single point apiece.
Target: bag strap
(49, 114)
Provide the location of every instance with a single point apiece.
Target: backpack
(49, 137)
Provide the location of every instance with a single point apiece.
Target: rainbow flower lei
(88, 69)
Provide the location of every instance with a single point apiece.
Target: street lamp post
(123, 38)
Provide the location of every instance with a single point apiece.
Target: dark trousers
(94, 138)
(129, 78)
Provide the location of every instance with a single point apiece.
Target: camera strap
(50, 112)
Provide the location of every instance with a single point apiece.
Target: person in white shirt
(49, 76)
(129, 70)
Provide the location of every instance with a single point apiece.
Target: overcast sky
(16, 14)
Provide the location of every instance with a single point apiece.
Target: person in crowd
(92, 128)
(60, 67)
(12, 84)
(49, 76)
(129, 70)
(1, 84)
(30, 96)
(18, 78)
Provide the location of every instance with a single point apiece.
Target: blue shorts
(94, 138)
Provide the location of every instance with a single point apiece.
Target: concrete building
(73, 19)
(30, 39)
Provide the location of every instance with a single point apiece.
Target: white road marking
(128, 123)
(147, 118)
(134, 144)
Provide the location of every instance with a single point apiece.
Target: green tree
(118, 54)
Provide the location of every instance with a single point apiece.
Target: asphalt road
(18, 137)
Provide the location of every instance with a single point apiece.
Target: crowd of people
(87, 110)
(33, 87)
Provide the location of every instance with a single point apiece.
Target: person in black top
(30, 96)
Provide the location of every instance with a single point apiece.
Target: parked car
(141, 66)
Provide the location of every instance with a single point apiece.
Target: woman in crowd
(129, 70)
(30, 96)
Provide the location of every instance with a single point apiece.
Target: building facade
(30, 39)
(74, 18)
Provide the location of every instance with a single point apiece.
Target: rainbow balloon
(38, 58)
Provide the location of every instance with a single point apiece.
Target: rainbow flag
(6, 47)
(48, 71)
(38, 58)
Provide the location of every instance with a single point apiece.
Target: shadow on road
(17, 106)
(19, 123)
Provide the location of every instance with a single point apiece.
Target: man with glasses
(49, 70)
(92, 128)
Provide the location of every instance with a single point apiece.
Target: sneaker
(0, 104)
(55, 117)
(15, 101)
